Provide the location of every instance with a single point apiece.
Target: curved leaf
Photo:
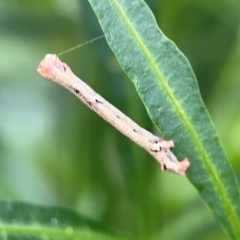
(168, 88)
(27, 221)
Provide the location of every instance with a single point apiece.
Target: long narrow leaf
(168, 88)
(26, 221)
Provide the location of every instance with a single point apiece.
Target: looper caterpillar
(56, 71)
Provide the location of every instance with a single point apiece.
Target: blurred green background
(55, 151)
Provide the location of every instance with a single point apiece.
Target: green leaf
(25, 221)
(168, 88)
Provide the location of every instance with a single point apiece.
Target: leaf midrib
(213, 173)
(41, 230)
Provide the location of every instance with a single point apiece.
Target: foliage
(168, 88)
(54, 151)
